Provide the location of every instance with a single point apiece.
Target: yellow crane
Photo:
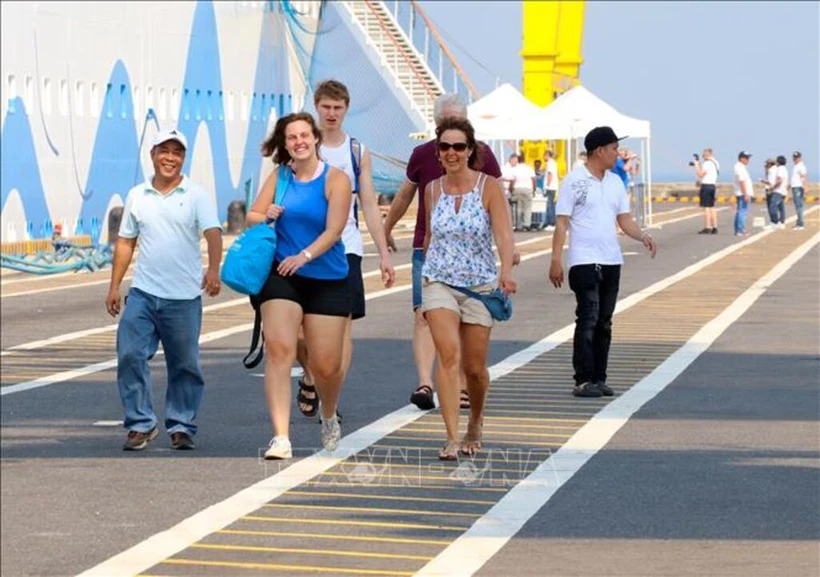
(551, 55)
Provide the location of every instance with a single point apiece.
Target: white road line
(11, 282)
(33, 345)
(681, 218)
(148, 553)
(207, 337)
(490, 533)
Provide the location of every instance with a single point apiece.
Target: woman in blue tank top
(307, 285)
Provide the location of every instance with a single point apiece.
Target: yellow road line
(486, 442)
(310, 551)
(414, 477)
(431, 487)
(488, 432)
(336, 537)
(486, 418)
(443, 464)
(369, 510)
(269, 566)
(389, 497)
(492, 410)
(488, 425)
(356, 523)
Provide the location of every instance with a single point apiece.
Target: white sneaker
(279, 448)
(331, 433)
(798, 228)
(781, 226)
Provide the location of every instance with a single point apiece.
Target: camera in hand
(697, 159)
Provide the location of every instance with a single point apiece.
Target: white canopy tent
(506, 114)
(577, 111)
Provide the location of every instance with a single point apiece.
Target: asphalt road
(717, 475)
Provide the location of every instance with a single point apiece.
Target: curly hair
(274, 145)
(476, 160)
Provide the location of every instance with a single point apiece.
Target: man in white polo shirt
(163, 216)
(744, 191)
(591, 201)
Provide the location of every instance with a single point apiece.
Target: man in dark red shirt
(423, 168)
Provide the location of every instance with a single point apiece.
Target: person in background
(467, 210)
(591, 201)
(308, 286)
(581, 160)
(550, 188)
(799, 183)
(779, 182)
(744, 191)
(539, 190)
(422, 168)
(707, 175)
(164, 217)
(621, 167)
(769, 168)
(523, 189)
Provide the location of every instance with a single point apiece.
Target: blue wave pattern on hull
(115, 157)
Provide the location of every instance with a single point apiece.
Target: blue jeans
(418, 263)
(777, 208)
(799, 203)
(550, 218)
(146, 321)
(740, 215)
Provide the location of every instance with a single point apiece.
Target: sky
(725, 75)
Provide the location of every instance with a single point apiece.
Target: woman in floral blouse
(467, 210)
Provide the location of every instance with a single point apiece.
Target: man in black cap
(591, 202)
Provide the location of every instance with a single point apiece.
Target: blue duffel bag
(249, 260)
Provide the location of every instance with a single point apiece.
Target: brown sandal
(449, 452)
(471, 443)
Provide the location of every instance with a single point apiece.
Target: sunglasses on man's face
(457, 146)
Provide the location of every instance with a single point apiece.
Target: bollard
(236, 217)
(114, 219)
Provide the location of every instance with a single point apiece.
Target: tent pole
(649, 174)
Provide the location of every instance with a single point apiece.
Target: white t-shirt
(798, 173)
(552, 168)
(592, 206)
(521, 175)
(779, 172)
(711, 167)
(339, 157)
(742, 175)
(770, 178)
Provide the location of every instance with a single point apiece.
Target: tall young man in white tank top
(331, 100)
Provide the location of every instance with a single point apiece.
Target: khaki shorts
(437, 295)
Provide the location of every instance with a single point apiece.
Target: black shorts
(356, 282)
(707, 195)
(315, 296)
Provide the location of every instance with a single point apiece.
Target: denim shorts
(418, 263)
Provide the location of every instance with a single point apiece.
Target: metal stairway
(410, 65)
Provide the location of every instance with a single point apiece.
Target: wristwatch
(307, 254)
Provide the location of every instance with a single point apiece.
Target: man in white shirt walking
(522, 179)
(591, 201)
(707, 174)
(744, 191)
(799, 183)
(164, 216)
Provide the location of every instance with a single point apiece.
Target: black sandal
(422, 397)
(464, 400)
(312, 403)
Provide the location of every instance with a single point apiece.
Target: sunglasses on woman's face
(457, 146)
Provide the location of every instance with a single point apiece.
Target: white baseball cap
(170, 134)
